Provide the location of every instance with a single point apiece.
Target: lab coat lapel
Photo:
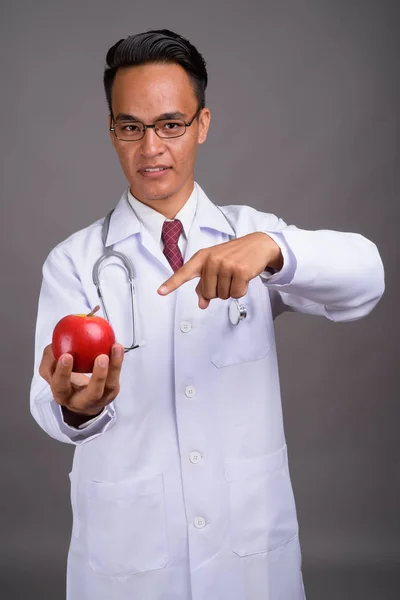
(124, 223)
(149, 243)
(209, 226)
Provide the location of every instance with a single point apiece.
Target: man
(180, 485)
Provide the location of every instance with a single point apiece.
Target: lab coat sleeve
(61, 294)
(328, 273)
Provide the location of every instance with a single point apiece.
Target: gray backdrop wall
(305, 124)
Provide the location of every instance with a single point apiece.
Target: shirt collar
(125, 222)
(153, 221)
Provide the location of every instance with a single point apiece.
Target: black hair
(156, 46)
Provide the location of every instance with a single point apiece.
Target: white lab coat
(181, 489)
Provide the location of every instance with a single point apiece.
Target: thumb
(203, 302)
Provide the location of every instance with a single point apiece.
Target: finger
(238, 287)
(188, 271)
(111, 387)
(95, 389)
(61, 380)
(209, 281)
(224, 286)
(203, 302)
(47, 364)
(88, 400)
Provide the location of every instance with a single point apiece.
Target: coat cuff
(88, 430)
(286, 274)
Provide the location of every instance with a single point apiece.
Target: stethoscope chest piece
(237, 312)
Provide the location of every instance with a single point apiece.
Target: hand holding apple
(82, 397)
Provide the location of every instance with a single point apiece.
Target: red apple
(83, 336)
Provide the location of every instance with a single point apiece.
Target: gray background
(305, 124)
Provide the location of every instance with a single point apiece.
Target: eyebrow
(168, 115)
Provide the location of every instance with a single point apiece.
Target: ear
(204, 124)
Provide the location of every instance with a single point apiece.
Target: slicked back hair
(156, 46)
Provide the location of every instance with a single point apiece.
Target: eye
(171, 125)
(130, 128)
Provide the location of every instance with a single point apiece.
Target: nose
(151, 144)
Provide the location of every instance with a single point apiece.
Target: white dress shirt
(153, 221)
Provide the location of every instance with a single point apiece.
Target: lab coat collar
(209, 216)
(124, 221)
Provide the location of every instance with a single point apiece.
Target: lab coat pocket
(126, 526)
(249, 339)
(262, 507)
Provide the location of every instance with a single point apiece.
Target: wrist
(276, 263)
(74, 419)
(275, 256)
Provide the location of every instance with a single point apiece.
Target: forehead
(150, 90)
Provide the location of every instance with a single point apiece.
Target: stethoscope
(237, 312)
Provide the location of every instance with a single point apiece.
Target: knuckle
(96, 403)
(236, 294)
(229, 264)
(226, 269)
(214, 261)
(112, 389)
(241, 270)
(240, 292)
(98, 386)
(60, 390)
(101, 377)
(59, 384)
(209, 295)
(93, 398)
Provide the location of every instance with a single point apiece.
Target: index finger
(188, 271)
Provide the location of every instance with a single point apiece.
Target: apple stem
(96, 308)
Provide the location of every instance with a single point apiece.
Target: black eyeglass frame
(154, 126)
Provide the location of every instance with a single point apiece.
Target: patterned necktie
(170, 235)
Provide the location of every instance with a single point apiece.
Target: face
(147, 93)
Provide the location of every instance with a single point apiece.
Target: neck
(169, 204)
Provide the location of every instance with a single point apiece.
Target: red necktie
(170, 235)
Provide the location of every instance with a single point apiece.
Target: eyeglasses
(133, 131)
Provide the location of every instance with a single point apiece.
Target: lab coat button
(199, 522)
(195, 457)
(190, 392)
(186, 326)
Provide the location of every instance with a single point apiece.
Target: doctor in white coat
(180, 487)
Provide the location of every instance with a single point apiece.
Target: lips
(153, 169)
(154, 172)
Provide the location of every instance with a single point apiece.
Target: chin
(157, 194)
(153, 191)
